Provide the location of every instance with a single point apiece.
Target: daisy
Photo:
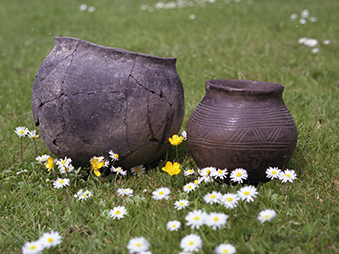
(191, 243)
(119, 171)
(238, 175)
(326, 42)
(216, 220)
(62, 163)
(211, 198)
(118, 212)
(229, 200)
(206, 179)
(175, 140)
(184, 135)
(302, 40)
(21, 131)
(66, 169)
(311, 42)
(32, 134)
(188, 172)
(266, 215)
(220, 173)
(305, 13)
(272, 173)
(248, 193)
(182, 203)
(42, 158)
(173, 225)
(190, 187)
(195, 219)
(288, 175)
(208, 171)
(138, 170)
(51, 239)
(32, 247)
(225, 248)
(293, 16)
(315, 50)
(60, 183)
(137, 245)
(161, 193)
(123, 192)
(114, 156)
(81, 195)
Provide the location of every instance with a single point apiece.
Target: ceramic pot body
(89, 99)
(242, 124)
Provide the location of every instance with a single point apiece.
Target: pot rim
(57, 38)
(244, 86)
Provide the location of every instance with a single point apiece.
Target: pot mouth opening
(244, 86)
(57, 38)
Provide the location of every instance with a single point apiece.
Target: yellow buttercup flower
(172, 169)
(49, 164)
(176, 140)
(96, 164)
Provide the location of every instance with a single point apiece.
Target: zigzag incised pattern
(245, 128)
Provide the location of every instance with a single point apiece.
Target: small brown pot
(242, 124)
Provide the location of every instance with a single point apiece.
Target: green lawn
(254, 40)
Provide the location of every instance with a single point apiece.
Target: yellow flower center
(32, 136)
(22, 132)
(189, 187)
(50, 240)
(215, 218)
(191, 243)
(181, 204)
(239, 174)
(229, 199)
(208, 171)
(212, 196)
(137, 170)
(247, 193)
(196, 218)
(173, 226)
(220, 171)
(85, 195)
(117, 212)
(190, 170)
(274, 172)
(266, 216)
(225, 251)
(32, 247)
(67, 168)
(61, 181)
(116, 155)
(161, 193)
(196, 181)
(288, 175)
(63, 162)
(138, 244)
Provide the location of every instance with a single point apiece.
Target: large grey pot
(89, 99)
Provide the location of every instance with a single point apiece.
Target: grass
(255, 41)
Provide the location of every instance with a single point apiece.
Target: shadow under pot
(89, 99)
(242, 124)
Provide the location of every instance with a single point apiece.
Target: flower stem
(115, 182)
(21, 149)
(36, 149)
(67, 198)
